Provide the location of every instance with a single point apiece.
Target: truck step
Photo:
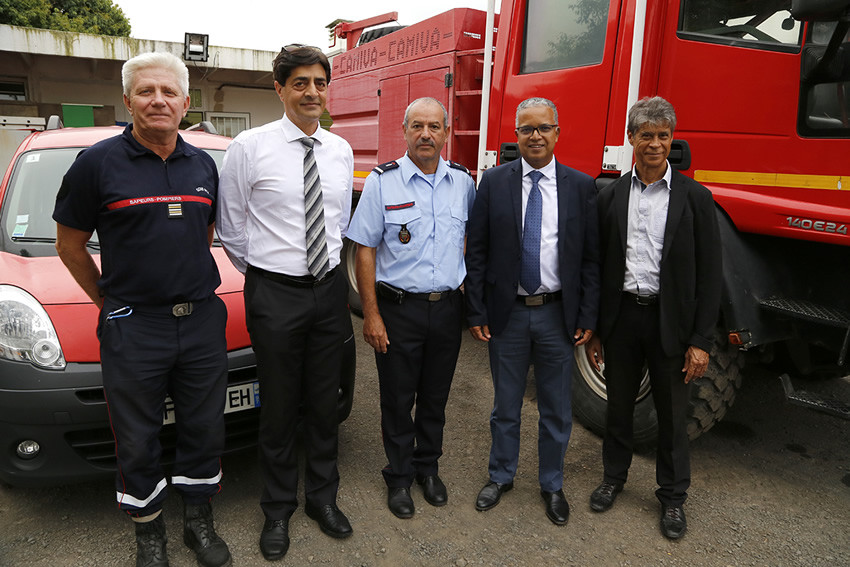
(811, 400)
(803, 309)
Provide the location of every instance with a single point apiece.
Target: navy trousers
(416, 370)
(145, 356)
(535, 335)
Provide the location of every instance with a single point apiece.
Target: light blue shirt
(645, 235)
(402, 200)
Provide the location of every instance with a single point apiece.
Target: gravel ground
(771, 487)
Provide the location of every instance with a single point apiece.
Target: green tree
(101, 17)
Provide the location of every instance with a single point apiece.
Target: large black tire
(711, 395)
(347, 263)
(714, 393)
(590, 400)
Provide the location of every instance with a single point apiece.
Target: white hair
(161, 60)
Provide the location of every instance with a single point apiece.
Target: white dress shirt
(260, 218)
(645, 233)
(550, 272)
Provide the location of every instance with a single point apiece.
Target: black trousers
(145, 356)
(417, 369)
(297, 334)
(634, 341)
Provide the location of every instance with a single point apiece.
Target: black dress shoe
(433, 489)
(399, 502)
(603, 497)
(199, 536)
(490, 495)
(150, 543)
(673, 523)
(557, 508)
(331, 520)
(274, 541)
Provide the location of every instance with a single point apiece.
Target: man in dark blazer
(532, 291)
(661, 273)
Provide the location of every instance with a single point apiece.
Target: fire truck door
(396, 94)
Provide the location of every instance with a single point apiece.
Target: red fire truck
(762, 93)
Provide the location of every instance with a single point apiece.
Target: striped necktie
(314, 212)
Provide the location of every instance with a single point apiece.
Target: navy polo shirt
(151, 217)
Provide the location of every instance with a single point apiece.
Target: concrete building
(77, 76)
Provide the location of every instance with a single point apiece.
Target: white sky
(267, 24)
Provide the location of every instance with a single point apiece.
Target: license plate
(240, 397)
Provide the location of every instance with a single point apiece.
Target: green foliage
(100, 17)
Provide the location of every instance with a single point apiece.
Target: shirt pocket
(458, 229)
(405, 232)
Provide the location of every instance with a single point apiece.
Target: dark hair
(295, 55)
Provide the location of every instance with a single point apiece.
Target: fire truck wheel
(714, 393)
(590, 399)
(347, 263)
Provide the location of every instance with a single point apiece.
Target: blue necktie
(529, 273)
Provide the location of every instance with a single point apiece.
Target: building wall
(62, 67)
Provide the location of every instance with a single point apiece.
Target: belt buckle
(182, 309)
(534, 300)
(643, 301)
(435, 296)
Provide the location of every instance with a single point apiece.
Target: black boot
(150, 543)
(199, 535)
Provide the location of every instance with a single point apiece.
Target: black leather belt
(539, 299)
(177, 309)
(294, 281)
(642, 300)
(430, 296)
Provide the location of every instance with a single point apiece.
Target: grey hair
(651, 110)
(428, 99)
(161, 60)
(534, 102)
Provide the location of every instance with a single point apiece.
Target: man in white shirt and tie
(285, 201)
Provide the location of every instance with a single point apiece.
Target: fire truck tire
(347, 263)
(711, 395)
(590, 400)
(714, 393)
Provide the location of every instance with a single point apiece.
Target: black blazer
(494, 246)
(689, 295)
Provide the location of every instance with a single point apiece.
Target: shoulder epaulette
(384, 167)
(456, 165)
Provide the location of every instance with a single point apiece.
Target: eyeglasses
(529, 130)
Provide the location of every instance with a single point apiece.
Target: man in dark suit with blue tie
(532, 290)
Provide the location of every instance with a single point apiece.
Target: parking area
(771, 486)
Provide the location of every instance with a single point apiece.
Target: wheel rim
(596, 379)
(350, 252)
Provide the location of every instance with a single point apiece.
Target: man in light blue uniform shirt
(410, 226)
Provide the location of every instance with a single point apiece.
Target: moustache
(425, 143)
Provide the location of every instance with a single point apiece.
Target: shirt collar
(293, 133)
(668, 176)
(409, 169)
(547, 170)
(137, 149)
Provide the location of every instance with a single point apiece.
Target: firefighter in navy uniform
(410, 226)
(151, 198)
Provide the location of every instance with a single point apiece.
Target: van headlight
(26, 332)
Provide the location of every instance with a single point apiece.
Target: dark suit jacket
(494, 245)
(689, 295)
